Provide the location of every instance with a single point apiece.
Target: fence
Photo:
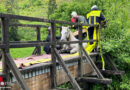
(8, 63)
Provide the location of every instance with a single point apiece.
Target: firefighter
(93, 17)
(78, 19)
(47, 48)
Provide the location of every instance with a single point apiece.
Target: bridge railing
(8, 63)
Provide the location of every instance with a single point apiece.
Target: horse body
(67, 35)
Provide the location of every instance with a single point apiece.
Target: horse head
(65, 33)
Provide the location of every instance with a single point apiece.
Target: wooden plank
(17, 44)
(24, 18)
(71, 42)
(92, 64)
(25, 41)
(38, 39)
(58, 42)
(33, 44)
(53, 58)
(80, 61)
(113, 72)
(16, 72)
(42, 20)
(96, 80)
(28, 25)
(62, 63)
(31, 25)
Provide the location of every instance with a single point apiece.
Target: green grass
(21, 52)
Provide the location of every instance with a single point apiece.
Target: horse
(67, 35)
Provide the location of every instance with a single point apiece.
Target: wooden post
(16, 72)
(38, 39)
(80, 62)
(53, 58)
(7, 64)
(5, 40)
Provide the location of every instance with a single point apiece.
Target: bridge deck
(38, 76)
(34, 59)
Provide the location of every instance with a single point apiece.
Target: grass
(21, 52)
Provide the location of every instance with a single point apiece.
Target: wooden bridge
(48, 75)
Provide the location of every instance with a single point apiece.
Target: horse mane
(71, 36)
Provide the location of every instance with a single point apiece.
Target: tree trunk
(12, 8)
(51, 7)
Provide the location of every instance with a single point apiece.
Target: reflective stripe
(94, 13)
(89, 20)
(94, 19)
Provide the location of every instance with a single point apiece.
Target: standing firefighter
(94, 17)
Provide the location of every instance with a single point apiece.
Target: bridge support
(62, 63)
(37, 50)
(53, 57)
(114, 70)
(5, 40)
(7, 62)
(100, 78)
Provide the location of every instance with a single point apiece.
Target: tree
(12, 8)
(51, 7)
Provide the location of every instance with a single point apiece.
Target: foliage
(51, 7)
(11, 9)
(114, 39)
(64, 11)
(66, 85)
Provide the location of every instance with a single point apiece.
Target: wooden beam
(5, 41)
(21, 44)
(108, 59)
(42, 20)
(28, 25)
(53, 58)
(62, 63)
(80, 61)
(38, 39)
(33, 44)
(113, 72)
(16, 72)
(96, 80)
(92, 64)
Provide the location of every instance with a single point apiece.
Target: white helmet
(73, 14)
(94, 7)
(49, 28)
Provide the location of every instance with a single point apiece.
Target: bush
(114, 38)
